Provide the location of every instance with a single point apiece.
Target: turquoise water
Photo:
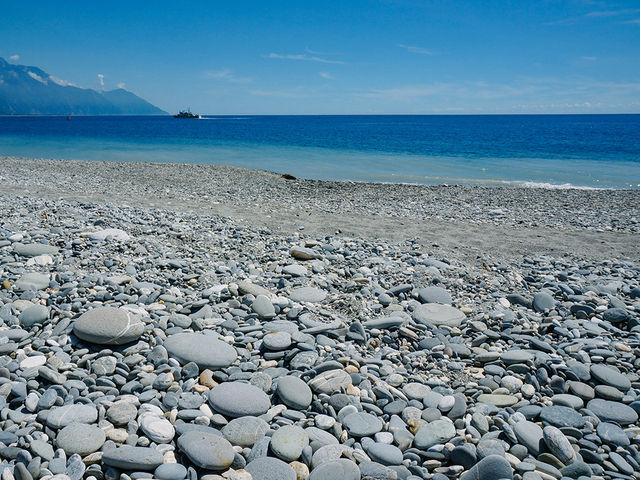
(592, 151)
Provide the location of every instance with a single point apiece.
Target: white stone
(31, 362)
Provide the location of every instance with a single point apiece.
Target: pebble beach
(205, 322)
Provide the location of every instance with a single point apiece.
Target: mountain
(30, 91)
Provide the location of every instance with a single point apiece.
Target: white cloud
(227, 75)
(121, 85)
(277, 93)
(101, 80)
(414, 49)
(613, 13)
(301, 56)
(327, 76)
(14, 58)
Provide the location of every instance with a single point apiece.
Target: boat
(186, 114)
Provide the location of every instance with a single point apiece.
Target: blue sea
(556, 151)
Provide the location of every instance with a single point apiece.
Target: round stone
(498, 400)
(110, 233)
(609, 376)
(33, 315)
(308, 294)
(170, 471)
(612, 434)
(542, 302)
(245, 431)
(80, 438)
(439, 315)
(263, 307)
(238, 399)
(385, 454)
(34, 249)
(157, 429)
(277, 341)
(612, 412)
(294, 392)
(559, 416)
(295, 270)
(269, 468)
(122, 412)
(206, 351)
(330, 381)
(60, 417)
(559, 444)
(362, 424)
(492, 467)
(434, 295)
(287, 442)
(516, 356)
(132, 458)
(32, 362)
(435, 433)
(342, 469)
(33, 281)
(206, 450)
(530, 435)
(108, 326)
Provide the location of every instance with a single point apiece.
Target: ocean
(554, 151)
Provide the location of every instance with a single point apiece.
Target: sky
(341, 57)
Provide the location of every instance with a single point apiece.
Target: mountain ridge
(29, 90)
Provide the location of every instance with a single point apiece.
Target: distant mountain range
(30, 91)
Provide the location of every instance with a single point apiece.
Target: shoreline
(475, 220)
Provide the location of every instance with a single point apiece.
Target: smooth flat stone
(542, 302)
(170, 471)
(60, 417)
(80, 438)
(206, 450)
(530, 435)
(516, 356)
(558, 444)
(132, 458)
(110, 233)
(238, 399)
(609, 376)
(493, 467)
(294, 392)
(33, 281)
(439, 315)
(245, 431)
(33, 315)
(498, 400)
(342, 469)
(308, 294)
(559, 416)
(612, 434)
(361, 424)
(612, 412)
(288, 441)
(434, 295)
(330, 381)
(269, 468)
(385, 454)
(34, 249)
(205, 351)
(435, 433)
(108, 326)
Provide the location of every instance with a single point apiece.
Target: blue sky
(308, 57)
